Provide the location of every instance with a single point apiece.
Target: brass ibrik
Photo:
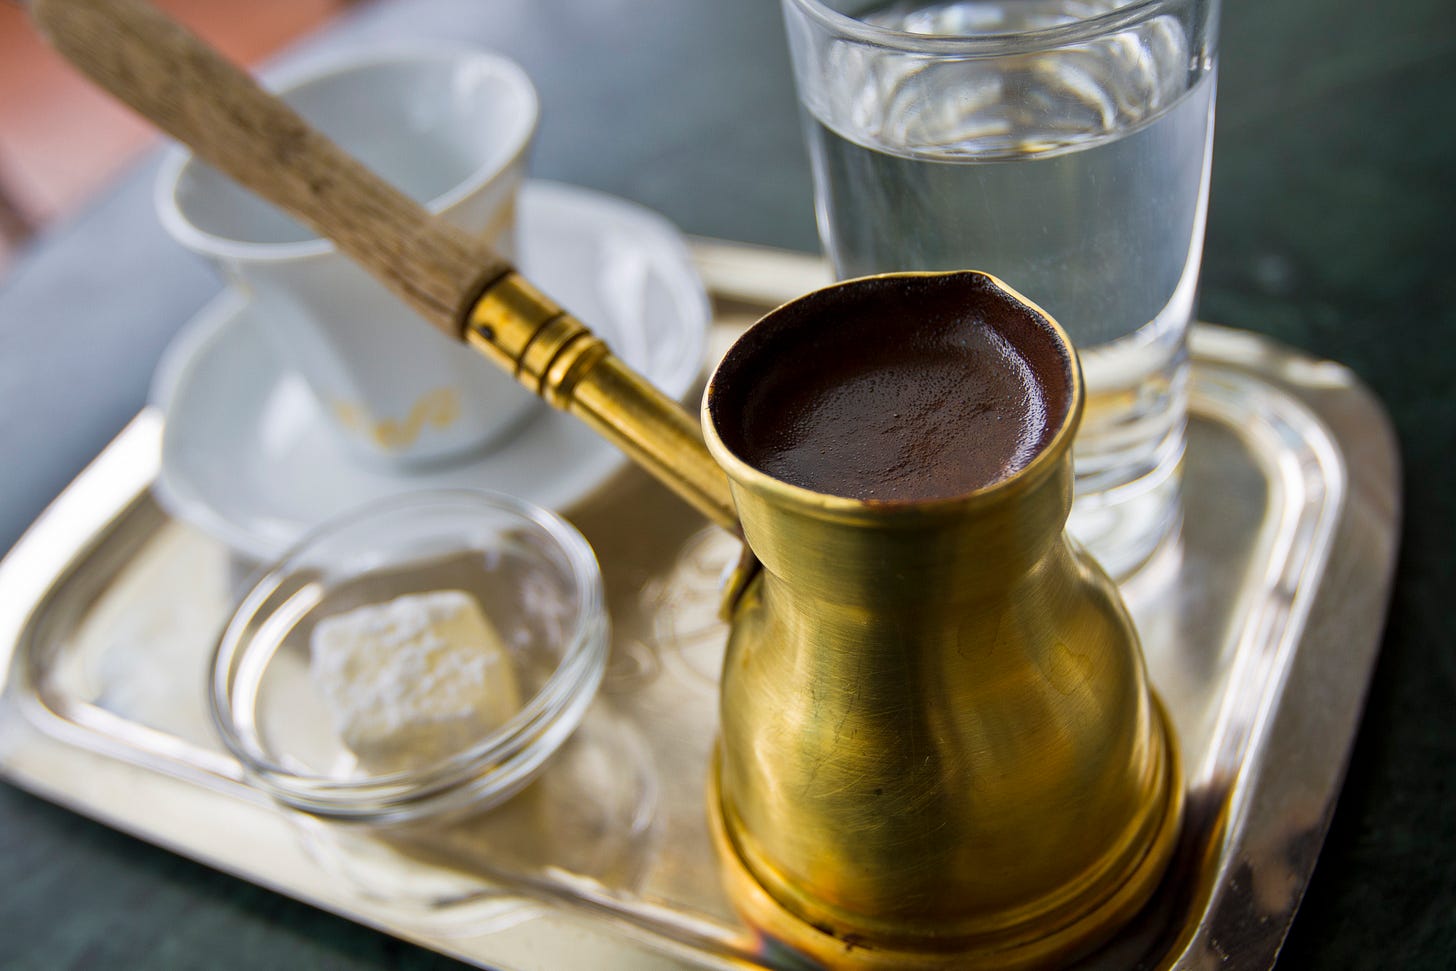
(939, 746)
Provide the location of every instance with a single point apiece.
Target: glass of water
(1062, 145)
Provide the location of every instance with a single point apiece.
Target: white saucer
(248, 456)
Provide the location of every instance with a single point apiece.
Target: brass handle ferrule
(558, 358)
(505, 322)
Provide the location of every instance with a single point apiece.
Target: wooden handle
(190, 91)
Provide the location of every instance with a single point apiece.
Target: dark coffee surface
(929, 388)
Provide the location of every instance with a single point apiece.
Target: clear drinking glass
(1062, 145)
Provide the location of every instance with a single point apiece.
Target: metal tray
(1261, 628)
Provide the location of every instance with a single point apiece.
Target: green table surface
(1331, 227)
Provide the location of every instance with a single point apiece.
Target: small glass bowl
(534, 577)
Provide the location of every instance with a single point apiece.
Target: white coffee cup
(449, 127)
